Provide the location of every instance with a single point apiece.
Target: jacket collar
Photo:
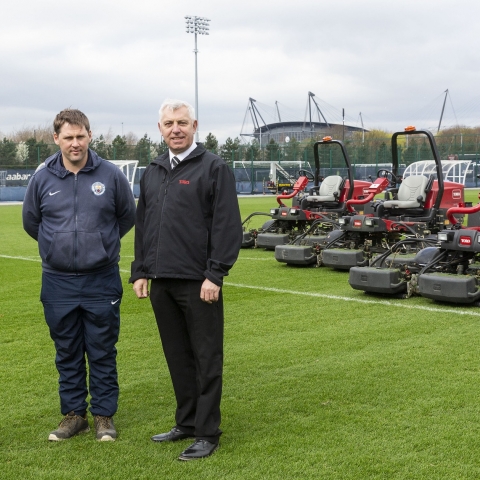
(55, 165)
(164, 159)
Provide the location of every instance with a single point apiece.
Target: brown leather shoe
(69, 426)
(105, 428)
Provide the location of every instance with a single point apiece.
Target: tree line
(28, 148)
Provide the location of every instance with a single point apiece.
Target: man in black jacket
(187, 237)
(78, 206)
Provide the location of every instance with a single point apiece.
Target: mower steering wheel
(304, 173)
(389, 175)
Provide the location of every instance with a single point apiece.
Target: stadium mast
(443, 109)
(254, 112)
(319, 112)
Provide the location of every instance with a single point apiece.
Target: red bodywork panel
(359, 187)
(453, 195)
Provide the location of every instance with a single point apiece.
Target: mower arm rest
(378, 186)
(462, 210)
(300, 185)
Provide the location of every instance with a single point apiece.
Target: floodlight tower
(197, 25)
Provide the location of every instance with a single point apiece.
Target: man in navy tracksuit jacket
(78, 206)
(187, 236)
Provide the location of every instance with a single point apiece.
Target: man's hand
(209, 292)
(140, 287)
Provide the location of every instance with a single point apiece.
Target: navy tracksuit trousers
(83, 314)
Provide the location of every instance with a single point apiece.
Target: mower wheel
(268, 224)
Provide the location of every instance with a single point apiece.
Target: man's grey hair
(172, 105)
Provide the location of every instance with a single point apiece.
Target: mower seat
(330, 190)
(412, 193)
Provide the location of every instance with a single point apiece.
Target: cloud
(117, 61)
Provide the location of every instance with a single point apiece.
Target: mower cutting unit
(300, 231)
(453, 273)
(448, 271)
(415, 210)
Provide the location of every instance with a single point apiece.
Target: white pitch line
(38, 260)
(28, 259)
(317, 295)
(358, 300)
(250, 258)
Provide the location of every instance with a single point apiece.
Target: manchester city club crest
(98, 188)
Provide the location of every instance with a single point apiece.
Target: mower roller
(401, 225)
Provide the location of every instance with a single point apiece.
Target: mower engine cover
(363, 223)
(462, 240)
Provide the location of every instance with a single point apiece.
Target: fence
(18, 156)
(366, 157)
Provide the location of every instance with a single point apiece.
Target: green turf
(321, 381)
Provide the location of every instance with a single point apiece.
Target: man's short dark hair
(71, 116)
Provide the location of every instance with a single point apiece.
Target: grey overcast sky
(117, 60)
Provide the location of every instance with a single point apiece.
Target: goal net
(272, 170)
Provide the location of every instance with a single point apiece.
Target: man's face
(73, 141)
(177, 129)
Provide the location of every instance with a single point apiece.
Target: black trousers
(191, 332)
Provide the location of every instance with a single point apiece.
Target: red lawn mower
(314, 215)
(281, 229)
(447, 270)
(406, 219)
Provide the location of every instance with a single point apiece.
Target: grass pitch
(321, 381)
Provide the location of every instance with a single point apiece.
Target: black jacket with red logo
(188, 222)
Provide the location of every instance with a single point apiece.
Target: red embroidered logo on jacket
(184, 182)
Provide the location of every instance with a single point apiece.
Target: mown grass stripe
(358, 300)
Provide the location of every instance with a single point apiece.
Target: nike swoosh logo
(113, 302)
(53, 193)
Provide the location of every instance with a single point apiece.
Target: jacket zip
(75, 216)
(167, 177)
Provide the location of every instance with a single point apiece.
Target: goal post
(129, 169)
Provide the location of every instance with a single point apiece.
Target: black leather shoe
(198, 449)
(172, 436)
